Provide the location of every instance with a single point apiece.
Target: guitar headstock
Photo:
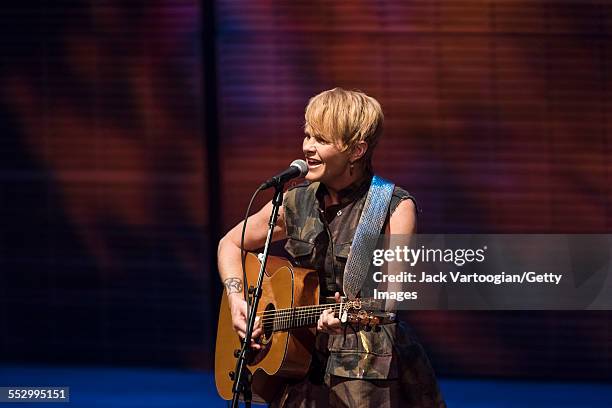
(366, 313)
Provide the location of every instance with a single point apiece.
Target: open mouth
(313, 162)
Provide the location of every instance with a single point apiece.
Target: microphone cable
(243, 251)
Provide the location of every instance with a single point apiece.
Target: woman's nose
(309, 146)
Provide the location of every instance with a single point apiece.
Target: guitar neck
(302, 316)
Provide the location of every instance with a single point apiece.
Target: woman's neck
(341, 183)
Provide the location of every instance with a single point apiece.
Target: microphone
(298, 168)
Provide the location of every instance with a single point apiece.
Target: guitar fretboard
(302, 316)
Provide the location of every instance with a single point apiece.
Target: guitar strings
(298, 311)
(303, 310)
(283, 318)
(292, 316)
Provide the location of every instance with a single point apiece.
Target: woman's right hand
(238, 309)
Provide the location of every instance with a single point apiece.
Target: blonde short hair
(345, 118)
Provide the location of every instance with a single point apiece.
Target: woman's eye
(317, 139)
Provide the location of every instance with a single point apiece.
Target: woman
(319, 219)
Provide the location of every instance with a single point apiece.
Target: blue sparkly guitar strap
(366, 236)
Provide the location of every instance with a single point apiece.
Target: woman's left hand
(327, 322)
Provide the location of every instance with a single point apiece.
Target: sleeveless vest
(321, 239)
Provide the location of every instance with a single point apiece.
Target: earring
(351, 167)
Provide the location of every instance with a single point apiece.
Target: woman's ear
(358, 151)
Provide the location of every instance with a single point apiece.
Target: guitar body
(284, 354)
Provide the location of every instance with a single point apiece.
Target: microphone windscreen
(300, 164)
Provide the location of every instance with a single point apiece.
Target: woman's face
(325, 161)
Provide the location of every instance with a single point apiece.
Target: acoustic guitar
(288, 310)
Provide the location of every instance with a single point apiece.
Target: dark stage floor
(126, 387)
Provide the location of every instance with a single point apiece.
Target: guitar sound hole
(268, 323)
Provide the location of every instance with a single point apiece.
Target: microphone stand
(242, 377)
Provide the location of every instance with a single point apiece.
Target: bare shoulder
(257, 228)
(261, 220)
(403, 219)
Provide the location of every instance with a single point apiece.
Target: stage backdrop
(113, 195)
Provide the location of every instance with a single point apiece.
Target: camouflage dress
(387, 368)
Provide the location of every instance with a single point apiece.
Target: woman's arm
(229, 261)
